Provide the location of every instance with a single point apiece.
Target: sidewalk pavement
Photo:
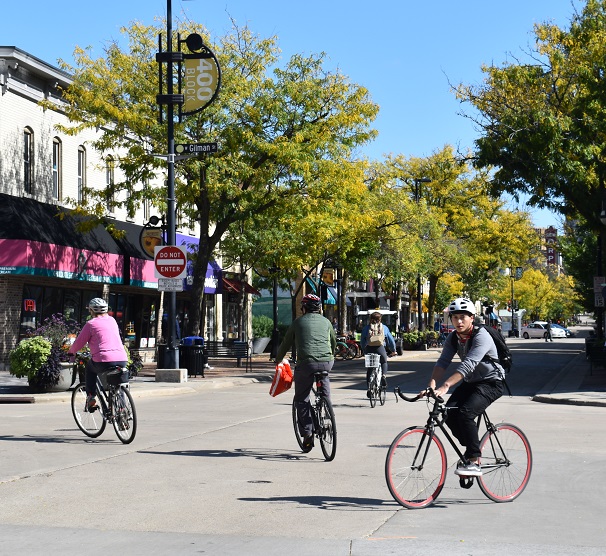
(575, 384)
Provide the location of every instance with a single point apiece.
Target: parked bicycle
(415, 467)
(323, 416)
(352, 343)
(343, 351)
(115, 406)
(378, 391)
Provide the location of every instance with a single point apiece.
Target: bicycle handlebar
(429, 393)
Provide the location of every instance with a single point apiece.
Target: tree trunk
(343, 289)
(431, 299)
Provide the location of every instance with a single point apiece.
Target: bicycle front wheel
(125, 416)
(506, 463)
(372, 388)
(327, 432)
(91, 423)
(415, 468)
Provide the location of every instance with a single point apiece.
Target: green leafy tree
(465, 231)
(284, 132)
(542, 118)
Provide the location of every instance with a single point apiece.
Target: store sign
(29, 305)
(149, 239)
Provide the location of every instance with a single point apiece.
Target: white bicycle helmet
(462, 305)
(98, 305)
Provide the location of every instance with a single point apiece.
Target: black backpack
(504, 353)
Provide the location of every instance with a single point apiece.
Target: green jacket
(313, 336)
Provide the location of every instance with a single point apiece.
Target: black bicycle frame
(437, 416)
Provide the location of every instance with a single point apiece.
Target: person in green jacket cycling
(315, 342)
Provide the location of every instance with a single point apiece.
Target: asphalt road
(219, 472)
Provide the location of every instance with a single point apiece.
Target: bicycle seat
(320, 374)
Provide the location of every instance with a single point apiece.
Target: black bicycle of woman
(323, 416)
(117, 406)
(415, 467)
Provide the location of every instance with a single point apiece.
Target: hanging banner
(200, 81)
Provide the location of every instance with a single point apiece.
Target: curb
(564, 387)
(141, 390)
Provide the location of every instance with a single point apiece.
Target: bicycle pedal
(466, 482)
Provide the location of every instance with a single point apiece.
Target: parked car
(537, 330)
(566, 331)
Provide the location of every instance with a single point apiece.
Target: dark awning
(44, 239)
(235, 286)
(22, 218)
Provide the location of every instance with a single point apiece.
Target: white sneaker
(470, 470)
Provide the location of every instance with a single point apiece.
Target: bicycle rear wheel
(91, 423)
(295, 424)
(373, 388)
(125, 415)
(327, 432)
(415, 468)
(506, 463)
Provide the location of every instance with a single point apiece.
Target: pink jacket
(103, 337)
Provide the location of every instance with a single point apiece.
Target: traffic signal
(519, 272)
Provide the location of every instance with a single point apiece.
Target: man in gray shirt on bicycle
(479, 377)
(315, 341)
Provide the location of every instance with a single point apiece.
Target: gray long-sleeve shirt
(473, 366)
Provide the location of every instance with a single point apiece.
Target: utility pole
(418, 181)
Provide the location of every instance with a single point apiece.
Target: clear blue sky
(405, 52)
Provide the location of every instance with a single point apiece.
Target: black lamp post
(171, 359)
(419, 181)
(600, 265)
(274, 335)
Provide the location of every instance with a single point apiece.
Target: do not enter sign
(170, 261)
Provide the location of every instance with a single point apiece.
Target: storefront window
(31, 309)
(72, 305)
(52, 302)
(230, 329)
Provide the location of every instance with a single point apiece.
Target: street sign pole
(171, 360)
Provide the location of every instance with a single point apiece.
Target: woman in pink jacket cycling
(102, 335)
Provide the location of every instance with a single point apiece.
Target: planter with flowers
(42, 356)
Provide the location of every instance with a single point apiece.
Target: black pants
(304, 380)
(383, 354)
(471, 399)
(93, 369)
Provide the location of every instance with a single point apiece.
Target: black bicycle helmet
(312, 303)
(98, 305)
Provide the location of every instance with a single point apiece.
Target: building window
(109, 184)
(28, 161)
(57, 168)
(81, 174)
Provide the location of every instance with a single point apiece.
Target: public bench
(595, 353)
(229, 349)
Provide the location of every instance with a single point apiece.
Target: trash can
(161, 356)
(192, 341)
(192, 358)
